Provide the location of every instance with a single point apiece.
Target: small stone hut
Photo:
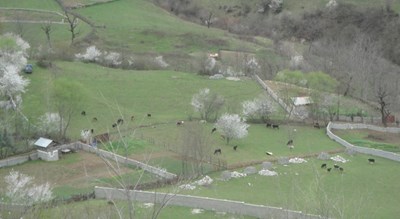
(46, 150)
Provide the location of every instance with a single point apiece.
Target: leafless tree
(47, 30)
(195, 149)
(382, 95)
(73, 24)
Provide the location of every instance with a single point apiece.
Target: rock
(250, 170)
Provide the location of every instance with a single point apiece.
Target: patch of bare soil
(390, 138)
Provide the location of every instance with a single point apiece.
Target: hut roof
(43, 142)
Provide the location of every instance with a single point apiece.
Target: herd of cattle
(218, 151)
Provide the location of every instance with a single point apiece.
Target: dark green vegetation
(138, 28)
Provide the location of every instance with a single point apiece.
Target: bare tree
(47, 30)
(382, 94)
(195, 148)
(73, 24)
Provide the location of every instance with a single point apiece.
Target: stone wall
(234, 207)
(125, 160)
(364, 150)
(18, 160)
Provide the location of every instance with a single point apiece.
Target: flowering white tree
(252, 66)
(13, 53)
(49, 123)
(21, 189)
(207, 103)
(231, 126)
(92, 54)
(258, 108)
(112, 58)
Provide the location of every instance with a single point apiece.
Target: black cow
(132, 118)
(336, 166)
(92, 130)
(94, 119)
(83, 113)
(148, 114)
(329, 169)
(275, 126)
(316, 125)
(341, 169)
(290, 142)
(371, 160)
(213, 130)
(218, 151)
(114, 125)
(120, 121)
(235, 147)
(269, 125)
(323, 165)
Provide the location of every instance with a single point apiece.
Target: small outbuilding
(301, 101)
(46, 150)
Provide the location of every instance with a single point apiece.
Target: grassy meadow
(140, 27)
(361, 191)
(109, 94)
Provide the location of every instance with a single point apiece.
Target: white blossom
(232, 126)
(13, 58)
(209, 64)
(49, 123)
(112, 58)
(92, 54)
(160, 62)
(258, 108)
(206, 103)
(21, 189)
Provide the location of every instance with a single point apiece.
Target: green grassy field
(110, 94)
(361, 191)
(143, 27)
(75, 173)
(101, 209)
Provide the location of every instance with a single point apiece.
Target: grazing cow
(92, 130)
(371, 160)
(336, 166)
(329, 169)
(269, 153)
(341, 169)
(148, 114)
(269, 125)
(180, 122)
(275, 126)
(132, 118)
(290, 142)
(83, 113)
(235, 147)
(218, 151)
(213, 130)
(120, 121)
(316, 125)
(323, 165)
(94, 119)
(114, 125)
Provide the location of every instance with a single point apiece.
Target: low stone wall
(125, 160)
(364, 150)
(18, 160)
(234, 207)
